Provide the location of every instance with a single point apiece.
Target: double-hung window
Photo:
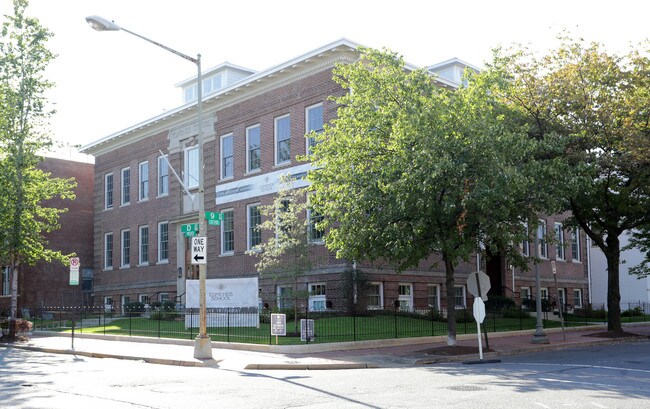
(191, 167)
(459, 297)
(126, 248)
(254, 220)
(577, 298)
(144, 245)
(559, 239)
(575, 244)
(163, 176)
(434, 296)
(108, 191)
(126, 186)
(253, 155)
(163, 242)
(143, 183)
(405, 298)
(313, 122)
(375, 296)
(525, 245)
(542, 246)
(228, 232)
(282, 139)
(108, 251)
(227, 156)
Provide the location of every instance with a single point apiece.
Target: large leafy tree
(409, 169)
(597, 103)
(24, 189)
(286, 256)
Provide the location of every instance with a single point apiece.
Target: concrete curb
(312, 366)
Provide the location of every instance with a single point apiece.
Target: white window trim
(437, 291)
(221, 233)
(579, 304)
(163, 260)
(140, 261)
(122, 201)
(542, 231)
(525, 244)
(248, 160)
(561, 296)
(143, 196)
(279, 298)
(381, 296)
(408, 298)
(276, 155)
(186, 167)
(320, 241)
(162, 159)
(464, 295)
(307, 130)
(221, 157)
(106, 176)
(122, 253)
(248, 227)
(317, 298)
(106, 258)
(560, 249)
(576, 232)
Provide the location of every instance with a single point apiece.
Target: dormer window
(212, 84)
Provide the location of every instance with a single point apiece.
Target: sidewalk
(348, 355)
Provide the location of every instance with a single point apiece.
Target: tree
(24, 219)
(409, 169)
(597, 103)
(286, 255)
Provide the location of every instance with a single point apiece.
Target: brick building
(253, 127)
(47, 284)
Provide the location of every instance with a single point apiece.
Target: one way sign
(199, 246)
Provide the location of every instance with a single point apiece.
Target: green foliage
(633, 312)
(24, 189)
(135, 306)
(497, 302)
(593, 105)
(410, 168)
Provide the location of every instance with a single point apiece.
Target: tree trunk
(613, 255)
(14, 292)
(451, 301)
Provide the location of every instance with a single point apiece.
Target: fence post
(395, 319)
(160, 315)
(228, 324)
(130, 321)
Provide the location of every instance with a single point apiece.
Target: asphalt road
(614, 376)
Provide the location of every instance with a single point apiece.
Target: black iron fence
(253, 326)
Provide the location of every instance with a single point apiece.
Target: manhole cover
(467, 388)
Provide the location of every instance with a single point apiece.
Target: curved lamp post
(202, 343)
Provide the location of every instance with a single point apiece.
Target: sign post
(74, 280)
(478, 284)
(479, 315)
(278, 325)
(559, 301)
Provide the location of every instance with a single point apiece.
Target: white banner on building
(238, 295)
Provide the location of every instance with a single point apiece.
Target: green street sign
(214, 218)
(187, 228)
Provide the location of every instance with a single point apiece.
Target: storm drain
(467, 388)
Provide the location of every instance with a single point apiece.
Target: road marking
(598, 405)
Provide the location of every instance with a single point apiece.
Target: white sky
(108, 81)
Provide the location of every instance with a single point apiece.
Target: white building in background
(633, 289)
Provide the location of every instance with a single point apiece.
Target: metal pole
(539, 337)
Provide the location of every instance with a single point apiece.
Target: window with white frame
(191, 167)
(577, 298)
(544, 292)
(143, 185)
(163, 176)
(108, 191)
(317, 297)
(123, 305)
(254, 220)
(561, 295)
(212, 84)
(434, 296)
(126, 186)
(108, 304)
(525, 293)
(575, 244)
(460, 297)
(163, 297)
(405, 298)
(542, 246)
(163, 242)
(228, 232)
(559, 241)
(143, 298)
(143, 244)
(227, 156)
(6, 274)
(284, 297)
(279, 219)
(190, 93)
(253, 148)
(525, 244)
(313, 122)
(315, 234)
(108, 251)
(126, 248)
(375, 296)
(282, 139)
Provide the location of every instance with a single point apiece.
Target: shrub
(632, 312)
(499, 302)
(135, 306)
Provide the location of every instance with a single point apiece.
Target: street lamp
(202, 343)
(540, 336)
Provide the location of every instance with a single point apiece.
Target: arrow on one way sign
(199, 248)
